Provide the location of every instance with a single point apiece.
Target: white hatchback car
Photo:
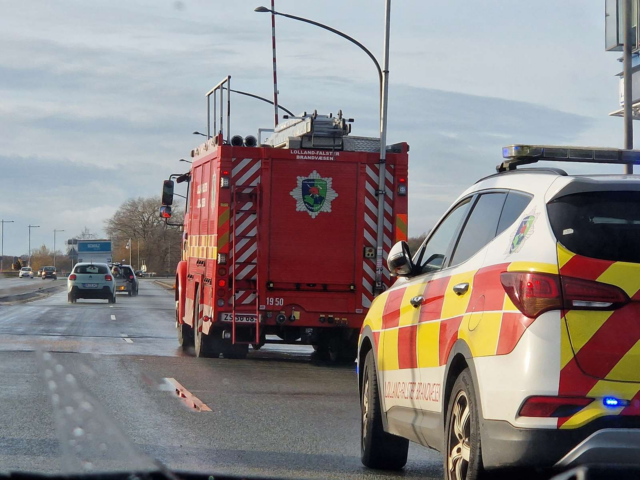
(512, 337)
(25, 272)
(91, 280)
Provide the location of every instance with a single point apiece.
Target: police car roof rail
(516, 155)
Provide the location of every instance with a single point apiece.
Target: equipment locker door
(309, 203)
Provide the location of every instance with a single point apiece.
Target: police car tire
(379, 449)
(464, 390)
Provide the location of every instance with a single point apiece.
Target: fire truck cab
(279, 241)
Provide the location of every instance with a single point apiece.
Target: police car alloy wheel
(463, 458)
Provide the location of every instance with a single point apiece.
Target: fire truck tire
(185, 332)
(378, 448)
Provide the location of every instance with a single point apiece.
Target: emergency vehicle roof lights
(516, 155)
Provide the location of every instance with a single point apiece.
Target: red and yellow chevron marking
(600, 350)
(408, 337)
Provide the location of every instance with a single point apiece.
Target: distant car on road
(126, 281)
(25, 272)
(49, 272)
(91, 280)
(139, 273)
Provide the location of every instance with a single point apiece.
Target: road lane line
(128, 340)
(186, 396)
(113, 317)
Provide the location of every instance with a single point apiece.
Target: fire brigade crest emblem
(314, 194)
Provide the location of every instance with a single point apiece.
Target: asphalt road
(102, 400)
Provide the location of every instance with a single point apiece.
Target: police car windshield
(604, 225)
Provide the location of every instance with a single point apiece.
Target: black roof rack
(516, 155)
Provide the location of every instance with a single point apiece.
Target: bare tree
(138, 219)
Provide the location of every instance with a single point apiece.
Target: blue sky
(98, 99)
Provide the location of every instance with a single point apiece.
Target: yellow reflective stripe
(564, 256)
(583, 324)
(508, 305)
(374, 318)
(483, 339)
(410, 315)
(566, 352)
(389, 358)
(624, 275)
(627, 367)
(589, 413)
(428, 344)
(533, 267)
(455, 305)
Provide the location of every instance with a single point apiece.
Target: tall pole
(138, 254)
(628, 92)
(130, 249)
(2, 222)
(275, 75)
(383, 150)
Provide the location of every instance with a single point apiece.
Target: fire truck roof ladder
(244, 208)
(212, 93)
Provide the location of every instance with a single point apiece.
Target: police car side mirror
(399, 260)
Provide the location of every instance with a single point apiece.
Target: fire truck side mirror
(167, 193)
(399, 260)
(165, 211)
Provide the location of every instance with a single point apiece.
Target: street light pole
(627, 85)
(383, 76)
(30, 227)
(2, 222)
(332, 30)
(54, 246)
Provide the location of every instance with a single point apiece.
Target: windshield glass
(91, 269)
(604, 225)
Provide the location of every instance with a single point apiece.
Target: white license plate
(90, 285)
(228, 317)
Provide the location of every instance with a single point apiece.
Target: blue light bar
(516, 155)
(613, 402)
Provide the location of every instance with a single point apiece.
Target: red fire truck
(279, 237)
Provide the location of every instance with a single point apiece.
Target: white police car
(512, 337)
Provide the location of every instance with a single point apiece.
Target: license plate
(228, 317)
(90, 285)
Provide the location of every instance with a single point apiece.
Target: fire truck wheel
(378, 448)
(208, 346)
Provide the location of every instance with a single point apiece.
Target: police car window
(603, 225)
(481, 226)
(513, 207)
(432, 256)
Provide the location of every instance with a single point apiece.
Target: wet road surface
(277, 413)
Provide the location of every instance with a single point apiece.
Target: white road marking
(186, 396)
(113, 317)
(128, 340)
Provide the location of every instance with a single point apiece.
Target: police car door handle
(417, 301)
(461, 288)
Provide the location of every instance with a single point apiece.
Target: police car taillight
(589, 295)
(532, 293)
(536, 293)
(555, 407)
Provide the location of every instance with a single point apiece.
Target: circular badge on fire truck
(314, 194)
